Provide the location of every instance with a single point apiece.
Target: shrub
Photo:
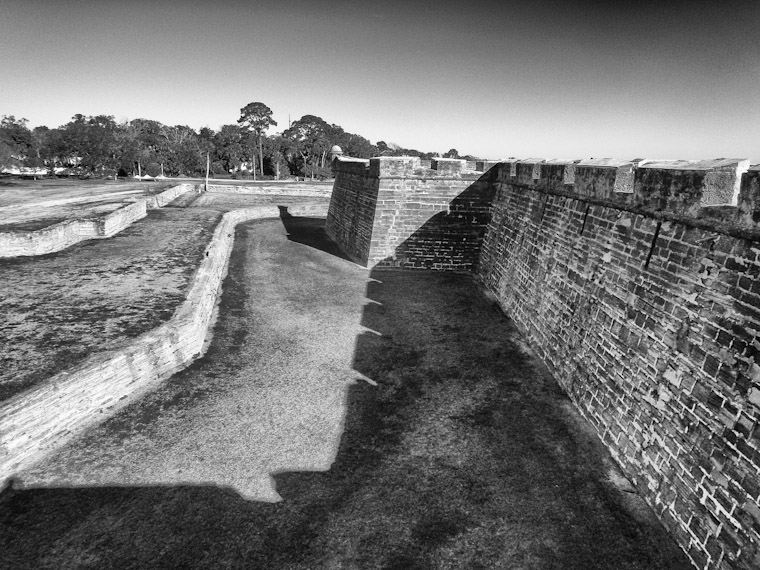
(153, 169)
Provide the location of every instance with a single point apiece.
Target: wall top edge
(696, 164)
(453, 160)
(703, 164)
(606, 162)
(351, 159)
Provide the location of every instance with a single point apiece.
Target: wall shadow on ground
(461, 455)
(494, 455)
(302, 230)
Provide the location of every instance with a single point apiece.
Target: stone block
(510, 170)
(673, 190)
(528, 171)
(605, 178)
(682, 186)
(748, 201)
(557, 174)
(448, 166)
(350, 165)
(393, 166)
(485, 165)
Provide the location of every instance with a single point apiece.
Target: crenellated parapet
(408, 167)
(720, 193)
(379, 202)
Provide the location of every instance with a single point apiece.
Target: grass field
(29, 205)
(59, 308)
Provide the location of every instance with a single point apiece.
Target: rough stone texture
(748, 201)
(602, 178)
(108, 381)
(65, 234)
(351, 214)
(653, 328)
(166, 197)
(275, 189)
(640, 292)
(391, 212)
(58, 309)
(722, 176)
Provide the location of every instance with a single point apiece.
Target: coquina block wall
(393, 212)
(639, 288)
(273, 189)
(638, 284)
(65, 234)
(38, 421)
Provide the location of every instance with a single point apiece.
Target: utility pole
(208, 164)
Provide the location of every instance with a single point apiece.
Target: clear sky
(526, 78)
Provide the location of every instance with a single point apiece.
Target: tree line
(98, 145)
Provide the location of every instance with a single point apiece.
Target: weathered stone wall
(42, 419)
(637, 282)
(641, 292)
(352, 207)
(274, 189)
(167, 196)
(392, 212)
(67, 233)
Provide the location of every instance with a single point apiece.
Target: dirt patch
(59, 308)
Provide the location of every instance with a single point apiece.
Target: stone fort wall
(395, 212)
(638, 284)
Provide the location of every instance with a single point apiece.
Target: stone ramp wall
(44, 418)
(167, 196)
(69, 232)
(640, 289)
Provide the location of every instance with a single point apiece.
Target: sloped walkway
(341, 419)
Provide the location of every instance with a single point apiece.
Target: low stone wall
(40, 420)
(67, 233)
(300, 189)
(167, 196)
(119, 219)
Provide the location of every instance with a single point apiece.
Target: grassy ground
(15, 192)
(28, 205)
(398, 416)
(57, 309)
(226, 202)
